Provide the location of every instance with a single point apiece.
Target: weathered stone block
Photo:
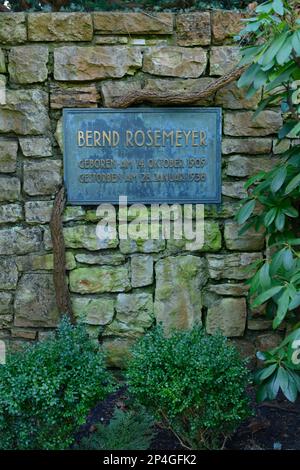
(35, 303)
(226, 25)
(178, 300)
(117, 351)
(85, 236)
(72, 63)
(233, 97)
(38, 212)
(141, 246)
(2, 62)
(243, 123)
(8, 273)
(258, 324)
(73, 213)
(234, 189)
(267, 341)
(5, 302)
(28, 64)
(175, 61)
(222, 211)
(10, 213)
(212, 240)
(60, 27)
(223, 59)
(113, 259)
(10, 188)
(193, 29)
(93, 310)
(234, 290)
(250, 240)
(12, 28)
(36, 146)
(227, 315)
(112, 90)
(111, 40)
(231, 266)
(251, 146)
(134, 315)
(141, 270)
(23, 333)
(133, 23)
(42, 177)
(25, 112)
(8, 155)
(94, 280)
(74, 96)
(19, 240)
(36, 262)
(241, 166)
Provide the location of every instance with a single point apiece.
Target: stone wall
(54, 61)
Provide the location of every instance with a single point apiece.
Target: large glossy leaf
(278, 179)
(262, 298)
(283, 305)
(246, 211)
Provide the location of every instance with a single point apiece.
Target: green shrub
(127, 430)
(47, 390)
(195, 383)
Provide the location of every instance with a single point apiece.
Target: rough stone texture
(105, 40)
(25, 112)
(23, 333)
(5, 303)
(38, 212)
(142, 246)
(231, 266)
(267, 341)
(93, 310)
(12, 28)
(212, 240)
(226, 25)
(28, 64)
(242, 123)
(60, 27)
(10, 213)
(241, 166)
(257, 324)
(112, 89)
(233, 97)
(2, 62)
(193, 29)
(42, 177)
(19, 240)
(228, 315)
(250, 240)
(94, 280)
(95, 62)
(8, 155)
(117, 351)
(10, 188)
(36, 146)
(222, 211)
(141, 270)
(73, 213)
(251, 146)
(85, 96)
(133, 23)
(234, 290)
(223, 59)
(175, 61)
(134, 315)
(178, 300)
(36, 262)
(8, 273)
(112, 259)
(234, 189)
(84, 236)
(35, 301)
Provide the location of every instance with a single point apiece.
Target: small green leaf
(283, 305)
(246, 211)
(280, 221)
(293, 184)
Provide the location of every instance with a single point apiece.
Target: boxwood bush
(47, 390)
(195, 383)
